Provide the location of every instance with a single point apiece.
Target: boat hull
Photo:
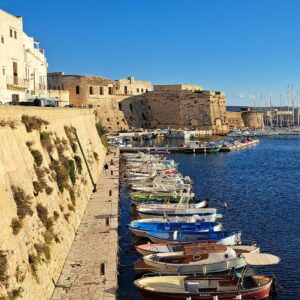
(258, 293)
(236, 263)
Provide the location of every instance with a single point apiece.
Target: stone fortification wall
(180, 108)
(44, 188)
(248, 119)
(122, 113)
(235, 119)
(253, 119)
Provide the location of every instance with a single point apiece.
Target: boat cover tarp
(261, 259)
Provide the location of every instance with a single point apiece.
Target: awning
(261, 259)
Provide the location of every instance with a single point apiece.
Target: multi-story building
(90, 90)
(23, 66)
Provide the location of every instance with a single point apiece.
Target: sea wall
(44, 189)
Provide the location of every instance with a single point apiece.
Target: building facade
(90, 90)
(23, 66)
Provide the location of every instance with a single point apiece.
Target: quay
(91, 268)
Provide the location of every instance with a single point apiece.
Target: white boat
(162, 188)
(200, 259)
(181, 209)
(177, 134)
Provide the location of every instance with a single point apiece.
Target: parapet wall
(57, 185)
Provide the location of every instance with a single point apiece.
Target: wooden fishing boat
(204, 288)
(210, 258)
(146, 249)
(207, 287)
(141, 228)
(224, 237)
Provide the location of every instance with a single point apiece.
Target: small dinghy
(141, 228)
(197, 259)
(224, 237)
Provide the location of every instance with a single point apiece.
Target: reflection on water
(262, 190)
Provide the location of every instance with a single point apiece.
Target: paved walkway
(95, 245)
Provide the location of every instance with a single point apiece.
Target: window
(15, 72)
(77, 89)
(146, 90)
(15, 98)
(2, 39)
(142, 90)
(3, 71)
(137, 90)
(91, 90)
(110, 90)
(15, 34)
(125, 90)
(11, 33)
(101, 90)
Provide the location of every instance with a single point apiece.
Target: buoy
(225, 205)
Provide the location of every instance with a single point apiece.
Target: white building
(23, 66)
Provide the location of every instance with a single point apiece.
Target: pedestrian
(106, 168)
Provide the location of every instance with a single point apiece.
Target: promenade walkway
(90, 270)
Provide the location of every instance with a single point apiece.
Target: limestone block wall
(253, 119)
(180, 108)
(235, 119)
(57, 188)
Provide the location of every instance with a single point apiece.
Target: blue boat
(225, 237)
(142, 227)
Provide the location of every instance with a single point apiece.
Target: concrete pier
(91, 268)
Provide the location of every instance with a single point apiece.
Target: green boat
(141, 197)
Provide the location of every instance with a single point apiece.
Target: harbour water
(261, 186)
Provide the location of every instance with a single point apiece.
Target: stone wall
(248, 119)
(204, 110)
(235, 119)
(253, 119)
(57, 188)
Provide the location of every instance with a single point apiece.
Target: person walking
(106, 168)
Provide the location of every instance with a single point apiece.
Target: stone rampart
(45, 165)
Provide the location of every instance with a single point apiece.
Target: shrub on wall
(102, 131)
(72, 171)
(45, 138)
(3, 267)
(37, 156)
(16, 225)
(22, 201)
(33, 123)
(70, 133)
(78, 163)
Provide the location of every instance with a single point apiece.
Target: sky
(250, 49)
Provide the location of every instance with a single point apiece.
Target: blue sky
(243, 47)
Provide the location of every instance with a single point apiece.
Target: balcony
(17, 83)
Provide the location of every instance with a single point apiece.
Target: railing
(15, 81)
